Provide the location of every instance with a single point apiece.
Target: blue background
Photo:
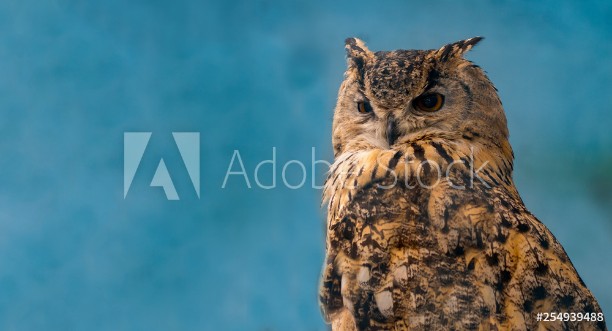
(250, 76)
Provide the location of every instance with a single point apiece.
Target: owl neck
(490, 164)
(421, 164)
(462, 163)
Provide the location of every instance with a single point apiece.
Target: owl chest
(388, 240)
(380, 220)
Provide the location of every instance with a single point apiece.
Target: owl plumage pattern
(425, 228)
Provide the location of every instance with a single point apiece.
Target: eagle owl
(425, 227)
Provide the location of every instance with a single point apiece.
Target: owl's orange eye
(364, 107)
(429, 102)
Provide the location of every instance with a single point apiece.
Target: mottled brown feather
(405, 254)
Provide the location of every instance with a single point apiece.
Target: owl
(425, 227)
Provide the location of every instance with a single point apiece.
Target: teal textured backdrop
(250, 76)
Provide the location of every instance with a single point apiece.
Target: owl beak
(392, 131)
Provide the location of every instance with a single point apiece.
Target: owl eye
(429, 102)
(364, 107)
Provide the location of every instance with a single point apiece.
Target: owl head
(392, 98)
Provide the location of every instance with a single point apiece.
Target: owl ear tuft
(456, 49)
(357, 53)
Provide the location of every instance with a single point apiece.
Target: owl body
(426, 230)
